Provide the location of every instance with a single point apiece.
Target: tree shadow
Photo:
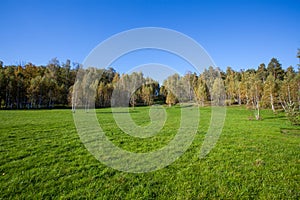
(274, 117)
(117, 112)
(290, 131)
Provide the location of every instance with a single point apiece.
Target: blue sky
(241, 34)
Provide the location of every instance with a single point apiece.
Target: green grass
(42, 157)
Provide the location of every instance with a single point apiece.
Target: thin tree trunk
(289, 93)
(258, 111)
(240, 102)
(86, 106)
(283, 106)
(6, 98)
(247, 100)
(74, 102)
(298, 96)
(272, 102)
(257, 104)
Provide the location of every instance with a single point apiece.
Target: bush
(292, 114)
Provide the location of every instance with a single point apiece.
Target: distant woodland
(268, 86)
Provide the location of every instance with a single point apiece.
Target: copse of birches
(30, 86)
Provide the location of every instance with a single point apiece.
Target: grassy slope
(41, 156)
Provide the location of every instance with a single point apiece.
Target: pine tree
(274, 67)
(262, 72)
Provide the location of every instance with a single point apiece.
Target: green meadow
(42, 157)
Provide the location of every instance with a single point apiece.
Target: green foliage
(218, 92)
(32, 86)
(200, 90)
(269, 92)
(274, 68)
(171, 99)
(292, 113)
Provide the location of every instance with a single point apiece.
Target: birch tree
(269, 91)
(218, 92)
(200, 91)
(256, 89)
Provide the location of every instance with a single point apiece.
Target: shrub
(292, 113)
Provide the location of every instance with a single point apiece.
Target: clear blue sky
(241, 34)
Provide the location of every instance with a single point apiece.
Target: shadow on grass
(275, 117)
(112, 112)
(185, 106)
(294, 132)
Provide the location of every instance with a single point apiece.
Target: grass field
(42, 157)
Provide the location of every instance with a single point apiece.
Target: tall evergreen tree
(274, 68)
(262, 72)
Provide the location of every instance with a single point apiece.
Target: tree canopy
(31, 86)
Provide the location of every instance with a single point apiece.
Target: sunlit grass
(41, 156)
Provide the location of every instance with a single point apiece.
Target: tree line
(268, 86)
(32, 86)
